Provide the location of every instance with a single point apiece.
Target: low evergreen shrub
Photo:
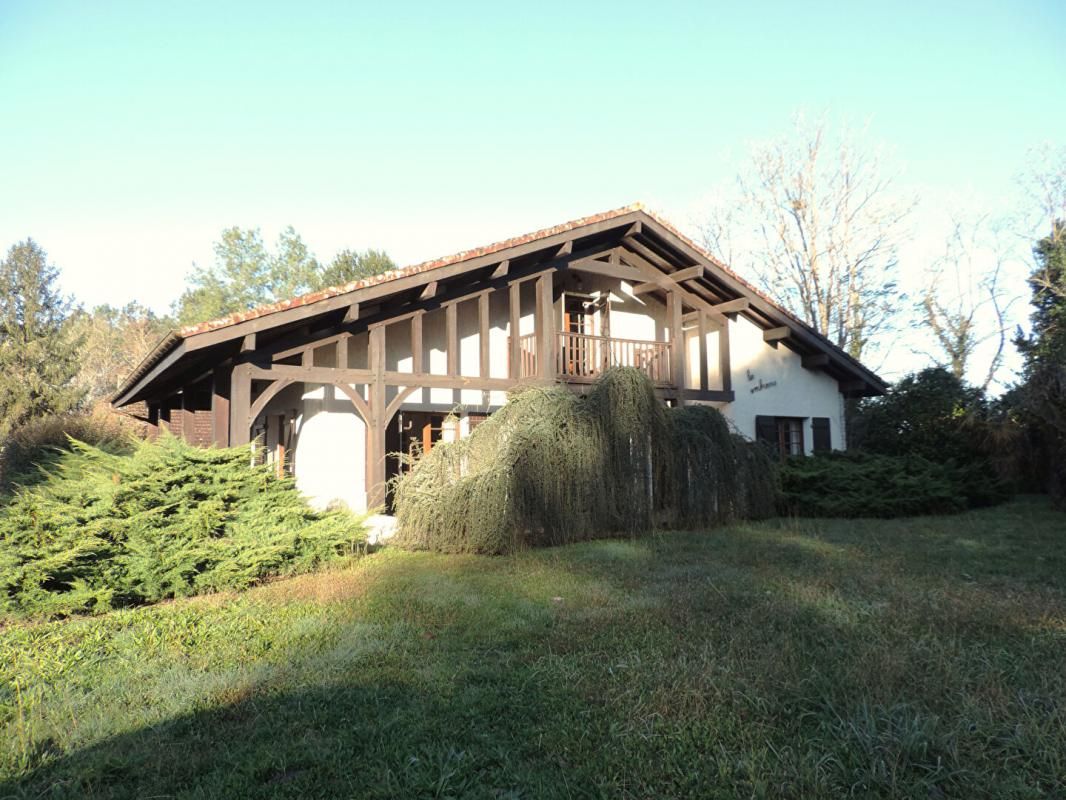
(868, 485)
(167, 520)
(551, 467)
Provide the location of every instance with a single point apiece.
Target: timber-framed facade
(558, 305)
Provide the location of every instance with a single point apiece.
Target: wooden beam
(311, 374)
(594, 267)
(633, 230)
(566, 249)
(815, 361)
(687, 274)
(654, 275)
(352, 314)
(644, 288)
(711, 395)
(774, 335)
(248, 343)
(483, 334)
(448, 381)
(299, 345)
(266, 396)
(342, 351)
(416, 342)
(712, 321)
(733, 306)
(429, 292)
(452, 338)
(514, 360)
(329, 375)
(502, 269)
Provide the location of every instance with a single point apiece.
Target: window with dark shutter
(820, 431)
(766, 430)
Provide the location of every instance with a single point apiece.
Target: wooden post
(515, 309)
(240, 405)
(483, 333)
(677, 342)
(702, 319)
(451, 328)
(375, 428)
(545, 327)
(416, 342)
(342, 352)
(724, 367)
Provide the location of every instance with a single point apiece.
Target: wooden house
(328, 384)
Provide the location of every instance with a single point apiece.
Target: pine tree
(1043, 393)
(351, 265)
(38, 357)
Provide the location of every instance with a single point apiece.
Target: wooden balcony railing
(582, 357)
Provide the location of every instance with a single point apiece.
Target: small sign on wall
(762, 385)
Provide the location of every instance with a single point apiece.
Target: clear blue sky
(132, 133)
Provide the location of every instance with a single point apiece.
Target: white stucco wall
(796, 392)
(329, 441)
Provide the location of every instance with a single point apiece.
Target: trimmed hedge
(102, 530)
(867, 485)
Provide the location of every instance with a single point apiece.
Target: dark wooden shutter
(820, 429)
(766, 430)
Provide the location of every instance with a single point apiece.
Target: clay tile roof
(174, 338)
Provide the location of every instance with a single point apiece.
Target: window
(783, 434)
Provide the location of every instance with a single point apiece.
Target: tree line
(57, 356)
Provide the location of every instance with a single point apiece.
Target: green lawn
(919, 658)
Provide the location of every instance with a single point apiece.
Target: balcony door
(585, 320)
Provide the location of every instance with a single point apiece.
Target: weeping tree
(551, 467)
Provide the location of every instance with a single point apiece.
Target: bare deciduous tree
(114, 340)
(819, 227)
(963, 303)
(1045, 182)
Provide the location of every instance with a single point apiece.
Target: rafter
(774, 335)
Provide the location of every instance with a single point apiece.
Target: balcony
(581, 358)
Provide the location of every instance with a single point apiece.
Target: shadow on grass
(750, 661)
(347, 739)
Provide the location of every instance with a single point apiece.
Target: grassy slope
(922, 658)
